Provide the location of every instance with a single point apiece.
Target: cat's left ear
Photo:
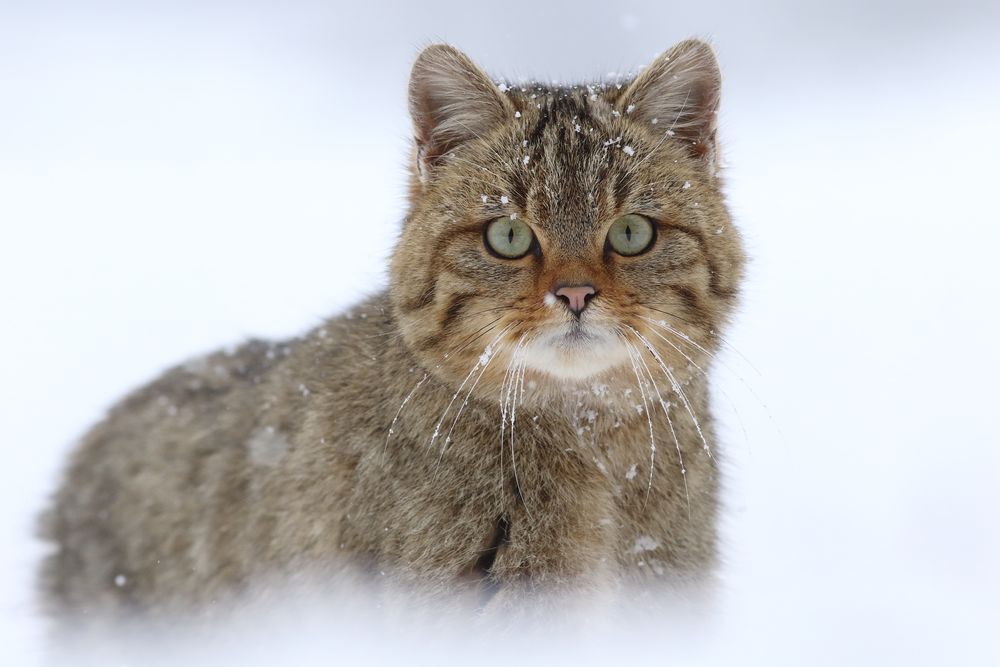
(679, 94)
(451, 101)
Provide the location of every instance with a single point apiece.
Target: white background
(177, 176)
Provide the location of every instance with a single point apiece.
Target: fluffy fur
(462, 430)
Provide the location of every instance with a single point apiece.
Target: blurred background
(177, 176)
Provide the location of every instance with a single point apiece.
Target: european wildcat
(525, 404)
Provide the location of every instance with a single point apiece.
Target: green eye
(509, 238)
(631, 234)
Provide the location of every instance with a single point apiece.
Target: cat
(524, 409)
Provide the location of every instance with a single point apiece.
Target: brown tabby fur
(348, 446)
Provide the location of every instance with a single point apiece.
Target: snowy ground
(175, 179)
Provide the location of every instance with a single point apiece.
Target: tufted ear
(679, 93)
(451, 101)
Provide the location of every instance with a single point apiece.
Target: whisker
(478, 333)
(504, 401)
(732, 404)
(406, 400)
(490, 357)
(670, 423)
(678, 389)
(513, 419)
(486, 356)
(714, 334)
(652, 440)
(684, 337)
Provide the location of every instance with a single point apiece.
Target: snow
(267, 446)
(485, 357)
(628, 150)
(644, 543)
(176, 177)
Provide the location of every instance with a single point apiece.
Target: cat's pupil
(510, 236)
(628, 233)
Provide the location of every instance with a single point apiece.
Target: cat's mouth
(578, 334)
(575, 351)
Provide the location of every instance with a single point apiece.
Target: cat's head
(578, 229)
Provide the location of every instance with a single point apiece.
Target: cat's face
(576, 230)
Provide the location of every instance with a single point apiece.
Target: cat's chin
(575, 355)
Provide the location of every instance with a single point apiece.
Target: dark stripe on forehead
(536, 132)
(519, 185)
(622, 187)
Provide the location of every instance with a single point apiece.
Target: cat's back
(163, 494)
(141, 467)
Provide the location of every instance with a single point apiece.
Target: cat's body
(472, 428)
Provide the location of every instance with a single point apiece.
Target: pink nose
(576, 297)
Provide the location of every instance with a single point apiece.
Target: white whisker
(513, 418)
(692, 342)
(468, 395)
(652, 440)
(484, 358)
(392, 426)
(505, 400)
(684, 337)
(670, 423)
(677, 388)
(691, 361)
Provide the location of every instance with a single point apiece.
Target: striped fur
(381, 440)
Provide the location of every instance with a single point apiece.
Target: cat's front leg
(558, 545)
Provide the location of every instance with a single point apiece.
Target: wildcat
(523, 409)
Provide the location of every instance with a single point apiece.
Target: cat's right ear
(451, 101)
